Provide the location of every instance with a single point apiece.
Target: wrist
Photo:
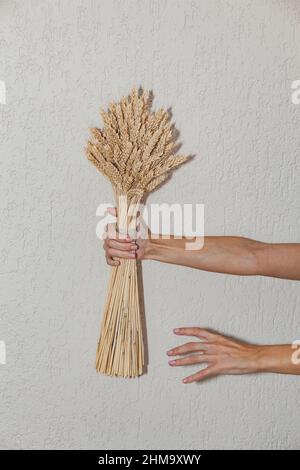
(250, 357)
(150, 249)
(264, 358)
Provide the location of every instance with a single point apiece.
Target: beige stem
(120, 348)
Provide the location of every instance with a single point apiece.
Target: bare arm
(230, 255)
(226, 356)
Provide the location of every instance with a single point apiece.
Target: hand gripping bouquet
(135, 150)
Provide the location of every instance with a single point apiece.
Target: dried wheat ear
(135, 150)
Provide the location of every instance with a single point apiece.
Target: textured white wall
(226, 68)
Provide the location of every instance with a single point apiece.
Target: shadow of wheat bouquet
(136, 152)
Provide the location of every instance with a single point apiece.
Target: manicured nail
(176, 330)
(170, 352)
(185, 381)
(172, 363)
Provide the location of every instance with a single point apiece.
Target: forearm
(280, 359)
(279, 260)
(230, 255)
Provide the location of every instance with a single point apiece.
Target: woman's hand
(222, 354)
(116, 247)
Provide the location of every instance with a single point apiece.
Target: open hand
(221, 354)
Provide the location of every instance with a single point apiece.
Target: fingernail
(132, 255)
(176, 330)
(170, 352)
(185, 381)
(172, 363)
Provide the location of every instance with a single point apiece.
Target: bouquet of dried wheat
(135, 151)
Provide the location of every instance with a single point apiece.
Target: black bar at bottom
(134, 458)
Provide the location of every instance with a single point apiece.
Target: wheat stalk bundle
(136, 152)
